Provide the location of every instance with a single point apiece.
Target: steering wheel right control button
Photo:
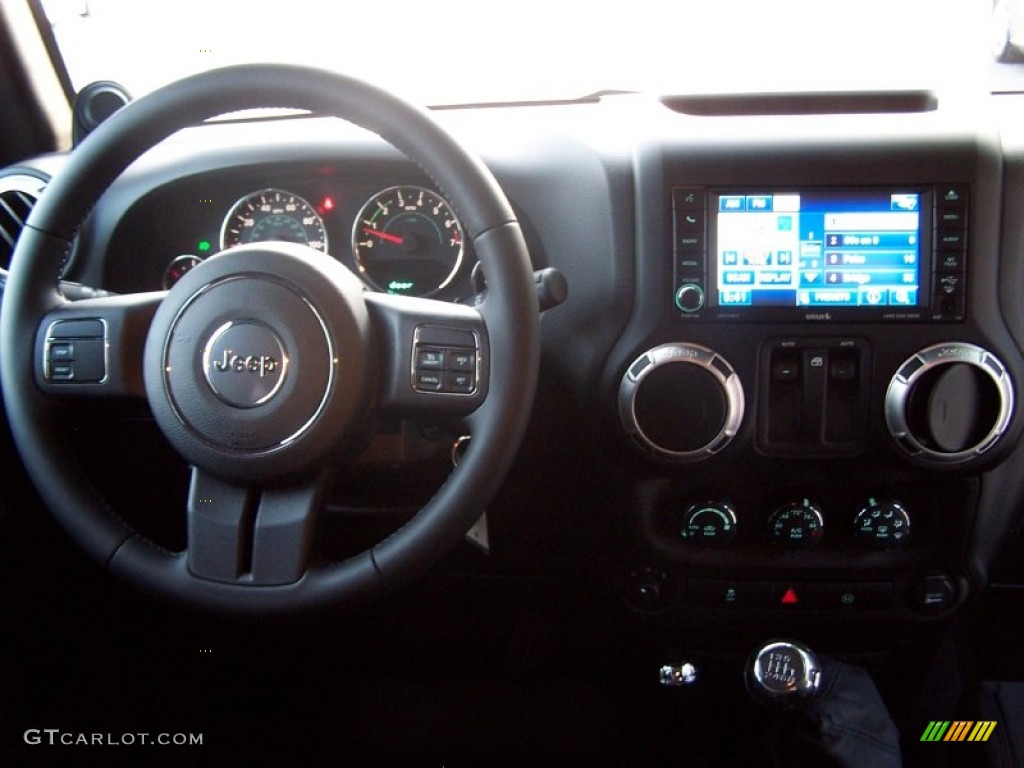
(445, 360)
(681, 402)
(882, 524)
(949, 403)
(709, 523)
(797, 525)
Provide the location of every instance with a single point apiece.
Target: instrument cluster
(402, 239)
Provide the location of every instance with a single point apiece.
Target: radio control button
(951, 261)
(951, 195)
(952, 240)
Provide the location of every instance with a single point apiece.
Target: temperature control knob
(882, 524)
(709, 523)
(797, 525)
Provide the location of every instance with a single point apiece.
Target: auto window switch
(785, 368)
(842, 369)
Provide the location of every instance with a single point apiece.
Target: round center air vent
(681, 402)
(949, 403)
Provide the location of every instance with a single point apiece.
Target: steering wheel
(262, 364)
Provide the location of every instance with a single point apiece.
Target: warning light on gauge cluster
(203, 246)
(326, 205)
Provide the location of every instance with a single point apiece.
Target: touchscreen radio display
(819, 248)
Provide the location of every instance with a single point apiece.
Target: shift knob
(783, 675)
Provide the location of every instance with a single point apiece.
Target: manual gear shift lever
(783, 675)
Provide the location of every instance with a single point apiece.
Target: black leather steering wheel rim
(510, 310)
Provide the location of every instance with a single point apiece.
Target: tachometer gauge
(407, 240)
(273, 214)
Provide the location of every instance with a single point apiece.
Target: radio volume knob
(690, 298)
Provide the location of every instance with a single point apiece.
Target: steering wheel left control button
(75, 351)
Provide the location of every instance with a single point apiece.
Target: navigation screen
(824, 248)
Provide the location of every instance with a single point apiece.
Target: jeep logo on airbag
(260, 364)
(245, 363)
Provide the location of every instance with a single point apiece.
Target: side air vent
(18, 193)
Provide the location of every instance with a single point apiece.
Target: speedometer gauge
(273, 214)
(407, 240)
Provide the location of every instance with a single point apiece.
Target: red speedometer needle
(384, 236)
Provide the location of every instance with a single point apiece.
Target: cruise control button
(429, 381)
(460, 383)
(461, 360)
(430, 359)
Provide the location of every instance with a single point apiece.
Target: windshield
(468, 51)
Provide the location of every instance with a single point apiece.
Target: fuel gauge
(177, 269)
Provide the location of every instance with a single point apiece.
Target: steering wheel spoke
(243, 534)
(434, 355)
(94, 347)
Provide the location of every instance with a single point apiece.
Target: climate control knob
(709, 523)
(882, 524)
(797, 525)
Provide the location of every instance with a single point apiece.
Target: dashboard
(786, 384)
